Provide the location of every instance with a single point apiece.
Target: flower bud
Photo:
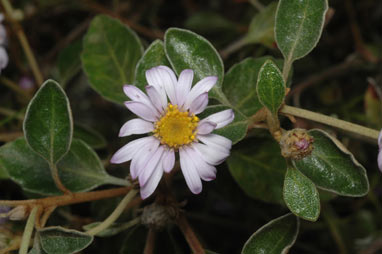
(20, 212)
(296, 144)
(155, 216)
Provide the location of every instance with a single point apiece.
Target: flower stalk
(338, 123)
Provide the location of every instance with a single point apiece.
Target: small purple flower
(380, 151)
(168, 112)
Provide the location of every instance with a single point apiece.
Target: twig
(335, 70)
(28, 231)
(114, 215)
(330, 218)
(10, 136)
(75, 33)
(68, 199)
(24, 42)
(14, 246)
(150, 242)
(236, 45)
(151, 33)
(57, 180)
(9, 112)
(358, 40)
(12, 85)
(259, 6)
(338, 123)
(189, 234)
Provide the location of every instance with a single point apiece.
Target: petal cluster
(151, 156)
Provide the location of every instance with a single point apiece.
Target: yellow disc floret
(176, 128)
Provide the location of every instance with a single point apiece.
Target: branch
(189, 234)
(68, 199)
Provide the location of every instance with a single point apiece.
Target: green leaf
(270, 86)
(69, 61)
(235, 131)
(299, 26)
(333, 168)
(240, 84)
(259, 169)
(58, 240)
(276, 237)
(188, 50)
(3, 172)
(111, 52)
(89, 136)
(153, 56)
(79, 170)
(48, 124)
(261, 29)
(301, 195)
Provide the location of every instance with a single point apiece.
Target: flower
(380, 151)
(174, 127)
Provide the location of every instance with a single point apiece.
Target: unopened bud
(19, 213)
(296, 144)
(155, 216)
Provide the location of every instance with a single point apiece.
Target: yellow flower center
(176, 128)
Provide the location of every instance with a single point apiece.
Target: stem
(57, 180)
(68, 199)
(286, 69)
(341, 124)
(259, 6)
(28, 231)
(115, 214)
(233, 47)
(330, 218)
(24, 43)
(9, 112)
(12, 85)
(150, 242)
(190, 236)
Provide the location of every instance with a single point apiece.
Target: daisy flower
(169, 114)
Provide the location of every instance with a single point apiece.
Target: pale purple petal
(155, 80)
(127, 152)
(216, 141)
(141, 158)
(152, 183)
(211, 155)
(199, 104)
(136, 126)
(155, 98)
(221, 118)
(3, 58)
(148, 170)
(168, 160)
(190, 173)
(135, 94)
(203, 86)
(380, 140)
(206, 171)
(205, 127)
(184, 85)
(170, 82)
(142, 110)
(380, 160)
